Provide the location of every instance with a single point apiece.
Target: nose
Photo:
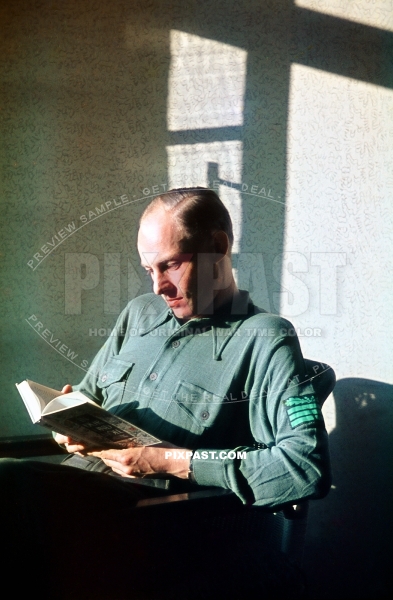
(160, 282)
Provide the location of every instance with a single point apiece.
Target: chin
(182, 314)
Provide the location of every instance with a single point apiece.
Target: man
(197, 365)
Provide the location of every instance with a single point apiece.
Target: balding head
(198, 213)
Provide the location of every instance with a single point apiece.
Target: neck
(225, 296)
(222, 298)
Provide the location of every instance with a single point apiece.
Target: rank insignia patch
(303, 409)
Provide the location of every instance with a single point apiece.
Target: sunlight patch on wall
(376, 13)
(206, 83)
(339, 220)
(206, 90)
(188, 166)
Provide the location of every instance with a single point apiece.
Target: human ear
(221, 243)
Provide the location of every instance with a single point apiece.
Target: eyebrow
(165, 260)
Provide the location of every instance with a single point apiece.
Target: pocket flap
(198, 403)
(115, 370)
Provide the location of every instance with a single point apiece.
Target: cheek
(185, 278)
(181, 281)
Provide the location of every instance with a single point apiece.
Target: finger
(72, 442)
(124, 474)
(67, 389)
(66, 440)
(116, 466)
(62, 439)
(115, 455)
(75, 448)
(123, 470)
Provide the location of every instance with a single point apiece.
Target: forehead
(159, 232)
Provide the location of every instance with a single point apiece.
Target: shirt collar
(224, 323)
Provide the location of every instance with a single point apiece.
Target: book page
(43, 393)
(66, 401)
(36, 397)
(31, 401)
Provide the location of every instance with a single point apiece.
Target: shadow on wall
(349, 542)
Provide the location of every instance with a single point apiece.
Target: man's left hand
(147, 461)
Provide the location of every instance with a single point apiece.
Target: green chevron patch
(303, 409)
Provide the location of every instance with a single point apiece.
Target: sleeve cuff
(218, 468)
(209, 470)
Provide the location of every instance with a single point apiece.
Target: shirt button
(153, 376)
(175, 344)
(104, 378)
(205, 415)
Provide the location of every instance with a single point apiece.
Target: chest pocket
(191, 411)
(112, 381)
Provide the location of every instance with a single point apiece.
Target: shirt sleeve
(285, 414)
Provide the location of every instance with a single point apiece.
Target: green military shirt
(231, 387)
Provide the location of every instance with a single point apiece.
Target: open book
(80, 418)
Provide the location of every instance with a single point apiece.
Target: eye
(173, 265)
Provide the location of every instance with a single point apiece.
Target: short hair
(198, 211)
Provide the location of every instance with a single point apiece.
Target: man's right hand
(70, 445)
